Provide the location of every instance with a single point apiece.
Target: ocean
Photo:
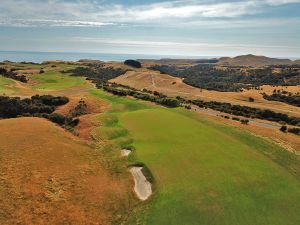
(38, 57)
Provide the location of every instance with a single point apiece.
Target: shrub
(12, 75)
(284, 97)
(36, 106)
(245, 122)
(294, 131)
(283, 128)
(57, 118)
(133, 63)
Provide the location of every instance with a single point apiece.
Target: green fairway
(204, 173)
(6, 86)
(51, 81)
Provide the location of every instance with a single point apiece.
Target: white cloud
(281, 2)
(51, 23)
(172, 45)
(92, 13)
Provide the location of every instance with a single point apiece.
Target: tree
(251, 99)
(133, 63)
(283, 128)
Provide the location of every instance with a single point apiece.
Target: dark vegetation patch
(79, 110)
(285, 97)
(293, 130)
(243, 121)
(206, 61)
(13, 75)
(233, 78)
(121, 90)
(36, 106)
(97, 72)
(133, 63)
(249, 112)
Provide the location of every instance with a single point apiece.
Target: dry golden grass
(47, 176)
(290, 142)
(173, 86)
(94, 107)
(28, 71)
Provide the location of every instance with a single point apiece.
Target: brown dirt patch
(47, 176)
(94, 105)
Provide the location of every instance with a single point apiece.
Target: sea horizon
(39, 57)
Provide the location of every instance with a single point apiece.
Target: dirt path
(153, 81)
(142, 186)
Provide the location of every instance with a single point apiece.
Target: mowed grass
(110, 129)
(6, 86)
(53, 80)
(205, 173)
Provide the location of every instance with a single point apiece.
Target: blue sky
(188, 28)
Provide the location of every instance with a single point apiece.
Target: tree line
(289, 99)
(293, 130)
(210, 77)
(121, 90)
(36, 106)
(248, 112)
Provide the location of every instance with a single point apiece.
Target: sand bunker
(142, 186)
(125, 152)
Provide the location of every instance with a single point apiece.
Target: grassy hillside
(49, 177)
(204, 173)
(53, 80)
(6, 86)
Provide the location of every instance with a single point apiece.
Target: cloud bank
(91, 13)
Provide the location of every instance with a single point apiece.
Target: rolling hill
(48, 176)
(252, 60)
(203, 169)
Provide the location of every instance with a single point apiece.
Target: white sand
(125, 152)
(142, 186)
